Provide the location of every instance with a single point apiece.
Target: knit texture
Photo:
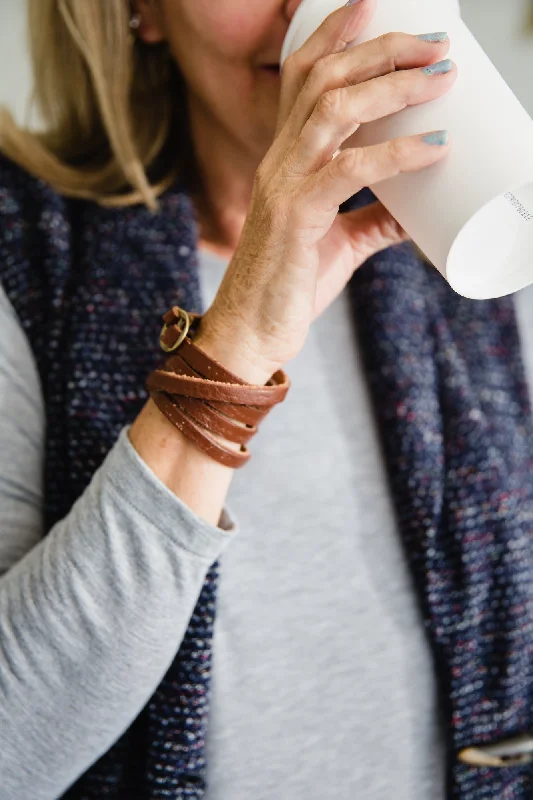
(451, 398)
(90, 285)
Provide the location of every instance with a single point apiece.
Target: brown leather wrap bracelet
(198, 395)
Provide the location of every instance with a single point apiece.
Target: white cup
(471, 213)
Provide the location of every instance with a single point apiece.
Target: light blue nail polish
(433, 37)
(352, 2)
(439, 68)
(437, 137)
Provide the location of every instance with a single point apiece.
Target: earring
(135, 21)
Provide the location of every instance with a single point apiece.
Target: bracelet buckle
(177, 313)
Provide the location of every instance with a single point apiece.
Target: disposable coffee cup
(471, 213)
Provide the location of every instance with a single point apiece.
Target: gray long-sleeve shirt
(322, 682)
(90, 616)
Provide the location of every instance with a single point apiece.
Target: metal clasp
(181, 314)
(511, 752)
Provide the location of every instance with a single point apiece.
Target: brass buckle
(187, 320)
(511, 752)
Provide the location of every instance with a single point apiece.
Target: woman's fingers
(371, 229)
(357, 65)
(357, 167)
(332, 36)
(340, 112)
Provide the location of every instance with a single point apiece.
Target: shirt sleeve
(91, 616)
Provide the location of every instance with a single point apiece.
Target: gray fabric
(323, 683)
(91, 616)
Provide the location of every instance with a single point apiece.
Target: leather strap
(199, 395)
(204, 389)
(248, 415)
(202, 412)
(203, 364)
(199, 436)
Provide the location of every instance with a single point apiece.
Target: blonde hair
(113, 108)
(529, 20)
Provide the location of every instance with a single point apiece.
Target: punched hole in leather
(512, 752)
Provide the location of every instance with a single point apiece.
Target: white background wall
(14, 68)
(498, 25)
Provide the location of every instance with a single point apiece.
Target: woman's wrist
(190, 473)
(234, 354)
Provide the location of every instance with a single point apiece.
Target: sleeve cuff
(136, 485)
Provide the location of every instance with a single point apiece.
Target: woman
(179, 167)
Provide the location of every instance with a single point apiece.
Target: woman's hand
(296, 252)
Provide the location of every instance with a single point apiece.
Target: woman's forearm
(197, 479)
(90, 620)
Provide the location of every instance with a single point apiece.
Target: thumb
(371, 229)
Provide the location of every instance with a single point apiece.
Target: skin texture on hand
(268, 147)
(284, 268)
(296, 253)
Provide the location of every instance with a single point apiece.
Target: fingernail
(439, 68)
(433, 37)
(437, 137)
(352, 2)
